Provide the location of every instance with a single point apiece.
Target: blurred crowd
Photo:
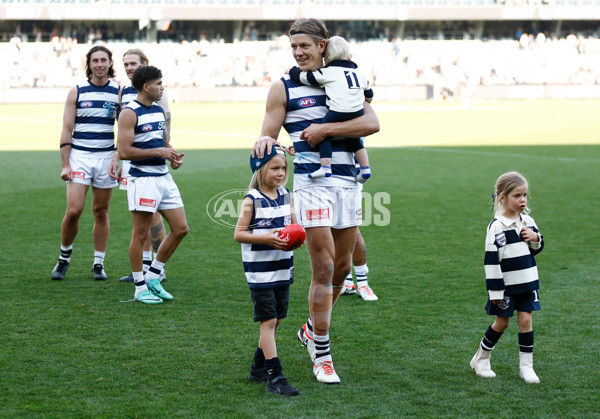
(528, 60)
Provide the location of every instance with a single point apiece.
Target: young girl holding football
(512, 241)
(267, 208)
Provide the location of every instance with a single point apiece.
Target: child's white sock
(364, 174)
(324, 171)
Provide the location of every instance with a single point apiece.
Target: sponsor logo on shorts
(85, 104)
(123, 181)
(317, 214)
(78, 175)
(146, 202)
(306, 102)
(146, 128)
(359, 212)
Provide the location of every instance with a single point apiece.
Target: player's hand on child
(263, 143)
(529, 235)
(314, 134)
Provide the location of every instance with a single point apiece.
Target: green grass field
(409, 124)
(74, 349)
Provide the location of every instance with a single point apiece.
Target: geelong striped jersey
(509, 261)
(345, 86)
(307, 105)
(265, 266)
(149, 133)
(95, 118)
(129, 94)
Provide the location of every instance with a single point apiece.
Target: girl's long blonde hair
(504, 186)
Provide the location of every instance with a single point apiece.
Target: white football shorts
(331, 206)
(91, 168)
(152, 193)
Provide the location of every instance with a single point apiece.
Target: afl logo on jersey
(85, 104)
(306, 102)
(146, 128)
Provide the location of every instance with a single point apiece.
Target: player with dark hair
(143, 139)
(87, 149)
(89, 57)
(132, 59)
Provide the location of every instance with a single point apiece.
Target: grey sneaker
(99, 274)
(128, 278)
(59, 271)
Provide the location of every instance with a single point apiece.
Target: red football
(294, 235)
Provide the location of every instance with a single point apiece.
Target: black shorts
(270, 303)
(527, 301)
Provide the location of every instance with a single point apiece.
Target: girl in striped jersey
(512, 241)
(266, 209)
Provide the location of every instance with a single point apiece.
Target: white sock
(361, 275)
(324, 171)
(322, 350)
(348, 282)
(99, 257)
(65, 252)
(147, 259)
(138, 280)
(155, 270)
(364, 174)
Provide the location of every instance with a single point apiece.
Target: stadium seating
(444, 64)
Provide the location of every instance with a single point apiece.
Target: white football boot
(366, 293)
(325, 373)
(481, 363)
(526, 368)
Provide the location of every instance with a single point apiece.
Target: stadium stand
(447, 47)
